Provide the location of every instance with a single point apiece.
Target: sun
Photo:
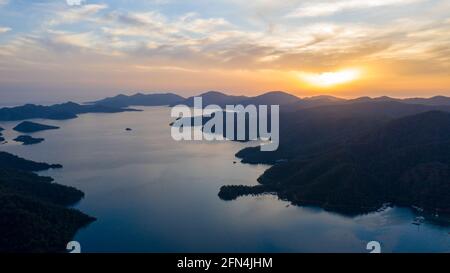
(328, 79)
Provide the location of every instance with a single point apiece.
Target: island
(31, 127)
(2, 139)
(68, 110)
(28, 140)
(33, 209)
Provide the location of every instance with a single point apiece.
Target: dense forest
(33, 213)
(354, 159)
(28, 140)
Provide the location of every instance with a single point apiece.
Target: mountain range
(287, 102)
(274, 97)
(140, 99)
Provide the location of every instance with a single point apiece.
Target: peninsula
(33, 210)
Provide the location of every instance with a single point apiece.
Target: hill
(354, 167)
(271, 98)
(140, 99)
(33, 213)
(214, 97)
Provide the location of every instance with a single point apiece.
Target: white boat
(418, 220)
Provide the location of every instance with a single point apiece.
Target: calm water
(153, 194)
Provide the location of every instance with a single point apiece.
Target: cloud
(193, 42)
(75, 2)
(75, 13)
(4, 29)
(148, 41)
(325, 8)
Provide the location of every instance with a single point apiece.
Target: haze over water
(153, 194)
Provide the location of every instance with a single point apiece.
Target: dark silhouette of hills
(214, 97)
(311, 102)
(63, 111)
(353, 163)
(140, 99)
(28, 140)
(33, 213)
(374, 108)
(292, 103)
(320, 128)
(31, 127)
(221, 99)
(433, 101)
(271, 98)
(118, 103)
(437, 100)
(10, 161)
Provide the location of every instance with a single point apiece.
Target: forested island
(28, 140)
(68, 110)
(33, 210)
(32, 127)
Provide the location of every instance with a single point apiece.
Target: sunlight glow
(327, 79)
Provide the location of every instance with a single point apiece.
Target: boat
(419, 209)
(418, 220)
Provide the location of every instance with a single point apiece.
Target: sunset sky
(88, 49)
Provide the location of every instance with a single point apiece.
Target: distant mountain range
(288, 102)
(140, 99)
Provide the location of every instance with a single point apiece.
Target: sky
(52, 50)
